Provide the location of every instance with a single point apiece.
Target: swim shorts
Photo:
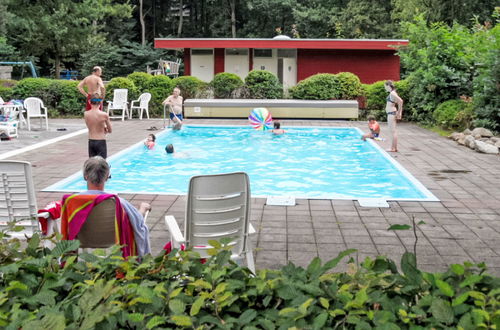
(179, 115)
(375, 135)
(98, 148)
(88, 106)
(392, 113)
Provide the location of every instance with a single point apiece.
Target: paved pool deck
(463, 226)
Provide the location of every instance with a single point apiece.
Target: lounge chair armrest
(175, 232)
(251, 229)
(146, 216)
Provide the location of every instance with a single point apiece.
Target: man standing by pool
(99, 125)
(94, 84)
(174, 101)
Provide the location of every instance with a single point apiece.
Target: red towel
(54, 209)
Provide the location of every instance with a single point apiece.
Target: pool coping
(429, 196)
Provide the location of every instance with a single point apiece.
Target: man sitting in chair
(96, 173)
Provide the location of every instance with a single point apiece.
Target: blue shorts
(178, 116)
(375, 135)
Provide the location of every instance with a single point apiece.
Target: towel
(54, 209)
(76, 209)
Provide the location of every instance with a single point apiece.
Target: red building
(291, 60)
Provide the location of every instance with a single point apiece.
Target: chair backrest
(17, 196)
(145, 98)
(33, 106)
(218, 206)
(98, 231)
(119, 97)
(1, 100)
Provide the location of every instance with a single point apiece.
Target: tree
(367, 19)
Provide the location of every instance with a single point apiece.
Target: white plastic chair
(119, 103)
(17, 198)
(217, 206)
(35, 109)
(143, 105)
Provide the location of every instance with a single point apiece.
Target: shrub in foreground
(118, 83)
(177, 291)
(327, 86)
(225, 83)
(262, 84)
(453, 114)
(141, 80)
(160, 87)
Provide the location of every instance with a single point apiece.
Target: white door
(289, 73)
(202, 64)
(236, 61)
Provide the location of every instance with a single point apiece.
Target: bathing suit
(373, 128)
(392, 113)
(389, 99)
(375, 135)
(179, 115)
(88, 106)
(98, 148)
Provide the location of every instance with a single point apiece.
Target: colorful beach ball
(260, 119)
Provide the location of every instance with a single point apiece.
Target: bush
(453, 114)
(225, 83)
(65, 97)
(160, 88)
(321, 86)
(188, 85)
(350, 86)
(263, 84)
(120, 82)
(177, 291)
(141, 80)
(7, 89)
(32, 87)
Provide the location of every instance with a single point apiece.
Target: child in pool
(150, 141)
(374, 129)
(277, 129)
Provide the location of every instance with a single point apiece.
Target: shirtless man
(175, 103)
(94, 84)
(99, 125)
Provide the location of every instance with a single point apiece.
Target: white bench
(240, 108)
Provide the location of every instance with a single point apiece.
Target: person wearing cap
(99, 125)
(94, 84)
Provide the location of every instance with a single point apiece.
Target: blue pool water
(305, 162)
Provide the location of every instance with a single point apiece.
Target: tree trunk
(181, 18)
(143, 26)
(57, 63)
(232, 6)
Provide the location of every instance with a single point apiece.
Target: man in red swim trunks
(94, 84)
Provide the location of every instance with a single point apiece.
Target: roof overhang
(361, 44)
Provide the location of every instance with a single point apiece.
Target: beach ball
(260, 119)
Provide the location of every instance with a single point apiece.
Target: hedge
(160, 88)
(7, 89)
(327, 86)
(224, 84)
(104, 291)
(263, 85)
(454, 114)
(141, 80)
(118, 83)
(188, 85)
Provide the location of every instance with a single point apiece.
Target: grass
(436, 129)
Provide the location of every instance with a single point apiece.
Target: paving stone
(293, 246)
(301, 238)
(320, 238)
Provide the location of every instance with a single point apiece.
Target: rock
(495, 139)
(489, 142)
(486, 148)
(476, 136)
(497, 144)
(484, 139)
(456, 136)
(467, 131)
(461, 140)
(482, 131)
(470, 141)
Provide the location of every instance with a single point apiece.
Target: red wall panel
(187, 61)
(219, 60)
(368, 65)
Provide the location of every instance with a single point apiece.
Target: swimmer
(169, 149)
(150, 141)
(277, 129)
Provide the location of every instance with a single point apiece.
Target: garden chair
(119, 103)
(35, 109)
(143, 105)
(218, 206)
(10, 122)
(17, 198)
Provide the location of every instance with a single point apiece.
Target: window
(287, 53)
(236, 51)
(202, 51)
(263, 52)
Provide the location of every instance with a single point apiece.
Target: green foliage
(64, 97)
(376, 98)
(263, 84)
(177, 291)
(327, 86)
(141, 80)
(7, 89)
(225, 83)
(121, 82)
(451, 114)
(188, 85)
(32, 87)
(160, 88)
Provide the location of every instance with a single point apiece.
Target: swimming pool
(306, 162)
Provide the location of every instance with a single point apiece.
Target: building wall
(368, 65)
(218, 60)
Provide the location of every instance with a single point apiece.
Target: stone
(461, 141)
(470, 141)
(467, 131)
(497, 144)
(455, 136)
(495, 139)
(485, 148)
(482, 131)
(476, 136)
(489, 141)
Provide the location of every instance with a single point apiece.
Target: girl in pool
(150, 141)
(277, 129)
(393, 113)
